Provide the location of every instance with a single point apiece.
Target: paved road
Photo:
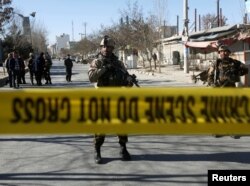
(58, 76)
(156, 160)
(170, 76)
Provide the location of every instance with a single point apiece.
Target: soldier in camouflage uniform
(226, 71)
(107, 71)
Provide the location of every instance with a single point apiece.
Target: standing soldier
(68, 65)
(39, 68)
(22, 70)
(155, 59)
(226, 72)
(14, 66)
(108, 71)
(9, 71)
(48, 64)
(31, 63)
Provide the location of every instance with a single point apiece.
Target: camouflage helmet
(107, 41)
(224, 48)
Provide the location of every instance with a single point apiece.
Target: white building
(62, 42)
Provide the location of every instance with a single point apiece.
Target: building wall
(169, 31)
(244, 57)
(62, 42)
(168, 50)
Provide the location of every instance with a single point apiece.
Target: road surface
(160, 160)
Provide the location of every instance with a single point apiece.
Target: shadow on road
(56, 139)
(109, 177)
(237, 157)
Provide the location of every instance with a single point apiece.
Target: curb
(3, 81)
(143, 72)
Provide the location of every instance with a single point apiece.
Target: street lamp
(26, 25)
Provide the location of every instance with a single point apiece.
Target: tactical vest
(228, 72)
(113, 77)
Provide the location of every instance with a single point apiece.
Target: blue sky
(57, 15)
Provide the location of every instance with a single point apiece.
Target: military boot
(236, 137)
(124, 153)
(98, 158)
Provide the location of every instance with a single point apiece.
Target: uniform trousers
(99, 139)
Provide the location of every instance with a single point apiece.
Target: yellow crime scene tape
(126, 111)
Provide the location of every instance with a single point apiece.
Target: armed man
(107, 71)
(226, 72)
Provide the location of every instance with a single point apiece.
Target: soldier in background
(47, 67)
(107, 71)
(14, 66)
(226, 72)
(68, 65)
(9, 70)
(39, 68)
(31, 63)
(22, 70)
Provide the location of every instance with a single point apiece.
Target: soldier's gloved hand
(103, 69)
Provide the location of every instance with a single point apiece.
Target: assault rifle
(201, 76)
(232, 77)
(134, 80)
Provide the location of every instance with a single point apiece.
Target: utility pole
(177, 26)
(73, 39)
(245, 18)
(85, 33)
(199, 22)
(85, 27)
(221, 18)
(195, 20)
(185, 35)
(218, 13)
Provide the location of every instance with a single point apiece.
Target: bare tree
(85, 47)
(161, 10)
(15, 40)
(210, 21)
(133, 33)
(39, 37)
(36, 42)
(6, 12)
